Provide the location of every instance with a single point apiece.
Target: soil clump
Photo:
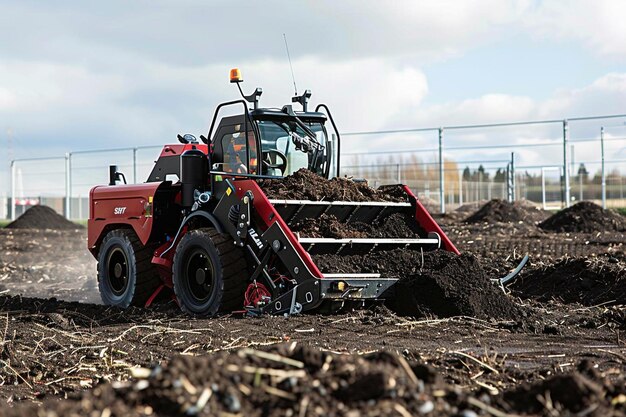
(258, 383)
(502, 211)
(397, 225)
(306, 185)
(437, 283)
(586, 280)
(585, 217)
(293, 379)
(581, 391)
(42, 217)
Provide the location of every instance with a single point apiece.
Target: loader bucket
(431, 236)
(279, 220)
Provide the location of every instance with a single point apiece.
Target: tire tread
(147, 278)
(233, 267)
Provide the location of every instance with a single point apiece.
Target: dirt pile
(42, 217)
(585, 280)
(49, 311)
(48, 263)
(397, 225)
(306, 185)
(286, 380)
(327, 226)
(584, 391)
(505, 212)
(441, 284)
(585, 217)
(293, 380)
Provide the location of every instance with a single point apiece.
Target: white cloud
(489, 108)
(124, 74)
(38, 86)
(150, 103)
(7, 99)
(597, 24)
(604, 96)
(199, 32)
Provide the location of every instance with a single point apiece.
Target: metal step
(354, 286)
(293, 211)
(322, 246)
(359, 276)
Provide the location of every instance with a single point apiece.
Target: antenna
(290, 66)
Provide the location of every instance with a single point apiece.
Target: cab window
(277, 135)
(234, 150)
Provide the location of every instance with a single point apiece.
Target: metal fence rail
(445, 179)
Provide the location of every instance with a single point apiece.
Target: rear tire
(126, 275)
(210, 273)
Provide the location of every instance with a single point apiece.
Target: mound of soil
(397, 225)
(505, 212)
(42, 217)
(582, 391)
(326, 226)
(306, 185)
(286, 380)
(589, 281)
(51, 312)
(293, 380)
(585, 217)
(441, 283)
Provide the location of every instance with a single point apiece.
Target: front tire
(210, 273)
(126, 275)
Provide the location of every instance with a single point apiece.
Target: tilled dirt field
(558, 351)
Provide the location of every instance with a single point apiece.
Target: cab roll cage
(257, 134)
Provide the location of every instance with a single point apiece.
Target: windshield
(302, 148)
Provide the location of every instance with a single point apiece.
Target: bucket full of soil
(306, 185)
(42, 217)
(397, 225)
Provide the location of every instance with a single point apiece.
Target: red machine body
(202, 226)
(120, 206)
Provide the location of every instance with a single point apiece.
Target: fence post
(581, 195)
(134, 165)
(513, 192)
(13, 170)
(67, 185)
(509, 196)
(442, 201)
(565, 163)
(603, 172)
(398, 174)
(543, 187)
(460, 188)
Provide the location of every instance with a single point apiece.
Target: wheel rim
(117, 268)
(200, 275)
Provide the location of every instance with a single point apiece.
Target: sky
(80, 75)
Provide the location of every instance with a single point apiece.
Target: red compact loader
(202, 227)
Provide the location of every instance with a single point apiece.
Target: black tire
(210, 273)
(126, 275)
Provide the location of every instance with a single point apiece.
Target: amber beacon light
(235, 75)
